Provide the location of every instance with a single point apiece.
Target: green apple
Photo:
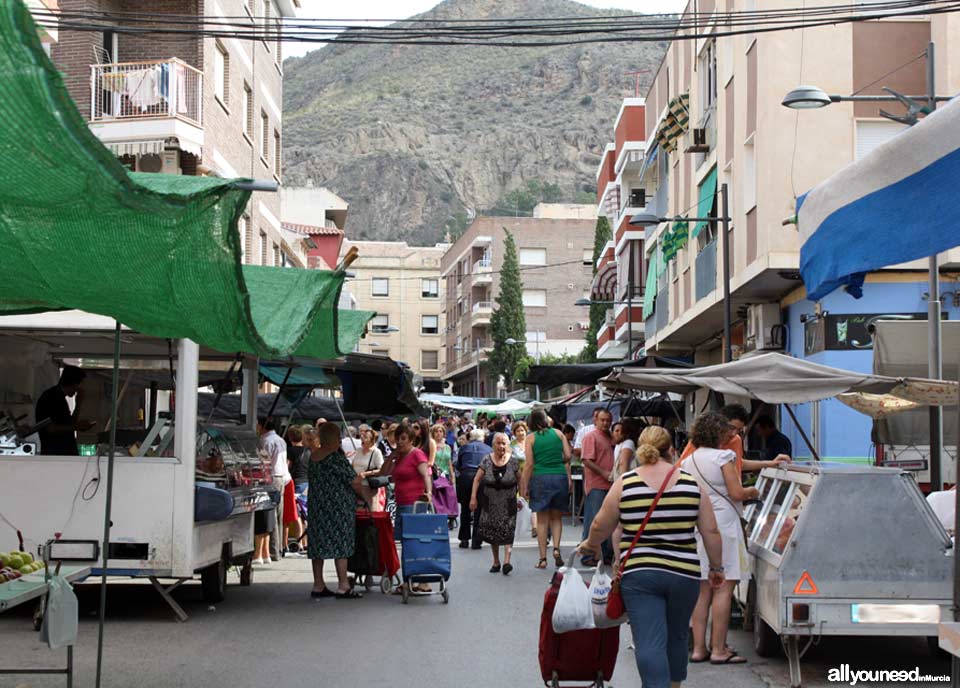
(25, 569)
(27, 557)
(4, 559)
(16, 561)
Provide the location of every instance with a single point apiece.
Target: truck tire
(766, 643)
(213, 582)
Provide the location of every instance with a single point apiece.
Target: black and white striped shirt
(668, 542)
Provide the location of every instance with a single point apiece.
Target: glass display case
(228, 457)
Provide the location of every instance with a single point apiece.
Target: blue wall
(845, 433)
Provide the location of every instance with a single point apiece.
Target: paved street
(273, 634)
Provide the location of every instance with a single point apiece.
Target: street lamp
(652, 220)
(809, 97)
(511, 341)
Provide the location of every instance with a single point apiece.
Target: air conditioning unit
(167, 162)
(697, 141)
(762, 318)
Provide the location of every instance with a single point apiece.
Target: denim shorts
(300, 488)
(549, 492)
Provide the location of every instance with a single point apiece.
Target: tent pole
(935, 358)
(105, 547)
(228, 378)
(276, 398)
(816, 455)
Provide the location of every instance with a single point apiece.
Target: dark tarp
(309, 409)
(549, 376)
(627, 408)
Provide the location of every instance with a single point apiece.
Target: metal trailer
(840, 550)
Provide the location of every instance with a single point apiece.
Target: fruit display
(13, 565)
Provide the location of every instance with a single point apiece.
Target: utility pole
(636, 80)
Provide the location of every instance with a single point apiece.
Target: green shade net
(708, 189)
(299, 376)
(159, 253)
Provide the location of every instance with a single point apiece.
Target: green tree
(508, 321)
(598, 312)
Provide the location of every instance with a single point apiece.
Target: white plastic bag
(523, 518)
(59, 627)
(599, 594)
(573, 611)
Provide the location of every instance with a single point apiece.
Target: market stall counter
(837, 549)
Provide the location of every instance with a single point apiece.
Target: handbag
(615, 606)
(377, 481)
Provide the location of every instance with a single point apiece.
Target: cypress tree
(508, 321)
(598, 312)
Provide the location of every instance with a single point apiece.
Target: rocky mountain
(419, 138)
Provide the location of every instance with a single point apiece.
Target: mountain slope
(411, 135)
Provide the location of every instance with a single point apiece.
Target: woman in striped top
(661, 577)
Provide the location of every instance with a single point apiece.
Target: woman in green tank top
(546, 482)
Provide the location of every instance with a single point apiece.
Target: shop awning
(895, 205)
(708, 190)
(550, 376)
(674, 123)
(159, 253)
(604, 285)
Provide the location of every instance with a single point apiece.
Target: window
(381, 352)
(535, 297)
(263, 248)
(749, 178)
(276, 152)
(429, 360)
(872, 134)
(429, 324)
(588, 256)
(243, 229)
(430, 288)
(276, 255)
(264, 136)
(248, 110)
(708, 76)
(380, 324)
(533, 256)
(221, 73)
(381, 286)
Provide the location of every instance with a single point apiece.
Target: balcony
(706, 270)
(482, 271)
(136, 106)
(480, 313)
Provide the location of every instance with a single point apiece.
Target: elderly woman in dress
(499, 474)
(331, 504)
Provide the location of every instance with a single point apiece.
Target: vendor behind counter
(59, 438)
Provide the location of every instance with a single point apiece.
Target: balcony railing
(706, 270)
(137, 90)
(482, 306)
(482, 266)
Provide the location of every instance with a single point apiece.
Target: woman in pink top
(410, 469)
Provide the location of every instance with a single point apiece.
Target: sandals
(557, 559)
(732, 658)
(542, 564)
(326, 592)
(348, 595)
(507, 568)
(495, 568)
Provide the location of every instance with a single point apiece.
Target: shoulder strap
(710, 484)
(646, 519)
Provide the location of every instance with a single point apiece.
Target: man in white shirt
(273, 450)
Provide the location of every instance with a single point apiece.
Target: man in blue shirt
(775, 443)
(467, 462)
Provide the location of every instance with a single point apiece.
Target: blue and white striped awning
(897, 204)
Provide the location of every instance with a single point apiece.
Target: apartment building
(714, 119)
(556, 255)
(621, 194)
(189, 104)
(315, 217)
(402, 284)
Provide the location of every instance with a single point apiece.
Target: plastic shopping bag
(59, 627)
(573, 611)
(599, 594)
(523, 518)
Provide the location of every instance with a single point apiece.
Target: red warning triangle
(805, 586)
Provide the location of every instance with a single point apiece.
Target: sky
(401, 9)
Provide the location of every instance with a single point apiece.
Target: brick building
(189, 104)
(556, 255)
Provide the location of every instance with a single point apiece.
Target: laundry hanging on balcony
(674, 123)
(674, 239)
